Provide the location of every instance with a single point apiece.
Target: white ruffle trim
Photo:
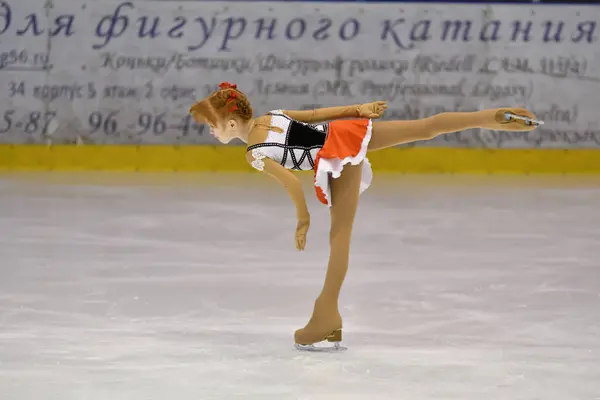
(332, 167)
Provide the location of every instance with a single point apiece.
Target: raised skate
(528, 121)
(506, 116)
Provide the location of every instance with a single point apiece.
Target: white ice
(175, 286)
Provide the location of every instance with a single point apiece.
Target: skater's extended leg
(326, 318)
(392, 133)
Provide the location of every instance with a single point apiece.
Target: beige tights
(345, 194)
(344, 202)
(392, 133)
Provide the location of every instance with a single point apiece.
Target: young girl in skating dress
(334, 143)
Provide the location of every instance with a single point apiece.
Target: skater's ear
(233, 125)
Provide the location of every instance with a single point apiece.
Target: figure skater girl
(334, 143)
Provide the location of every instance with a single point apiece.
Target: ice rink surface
(177, 287)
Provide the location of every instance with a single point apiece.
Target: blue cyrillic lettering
(486, 36)
(584, 29)
(354, 28)
(144, 31)
(290, 27)
(231, 33)
(5, 15)
(269, 28)
(420, 31)
(388, 29)
(518, 29)
(32, 24)
(207, 31)
(112, 26)
(64, 22)
(458, 25)
(548, 31)
(321, 32)
(177, 30)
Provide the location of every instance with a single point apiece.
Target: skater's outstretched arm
(294, 188)
(368, 110)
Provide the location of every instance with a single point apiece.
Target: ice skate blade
(510, 117)
(334, 337)
(330, 349)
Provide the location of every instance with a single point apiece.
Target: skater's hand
(301, 230)
(372, 110)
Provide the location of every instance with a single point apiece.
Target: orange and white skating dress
(324, 148)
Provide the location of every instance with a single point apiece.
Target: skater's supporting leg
(345, 192)
(392, 133)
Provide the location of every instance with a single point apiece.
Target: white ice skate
(508, 116)
(334, 337)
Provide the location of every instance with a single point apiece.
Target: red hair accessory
(232, 95)
(227, 85)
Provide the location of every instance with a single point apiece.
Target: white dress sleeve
(258, 162)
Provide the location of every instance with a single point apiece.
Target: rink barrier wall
(206, 158)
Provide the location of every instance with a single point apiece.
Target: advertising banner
(126, 72)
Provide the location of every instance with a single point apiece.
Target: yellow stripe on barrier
(231, 158)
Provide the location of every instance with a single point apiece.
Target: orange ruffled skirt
(347, 142)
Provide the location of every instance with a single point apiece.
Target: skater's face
(222, 129)
(225, 131)
(228, 115)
